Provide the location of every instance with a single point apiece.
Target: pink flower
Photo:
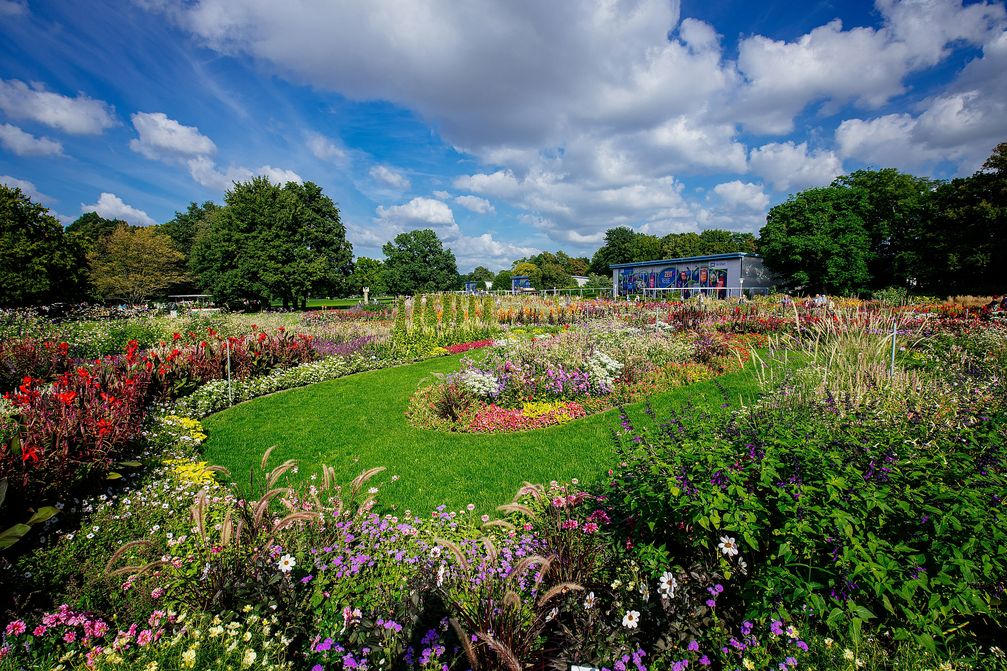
(39, 630)
(70, 637)
(144, 637)
(16, 628)
(157, 593)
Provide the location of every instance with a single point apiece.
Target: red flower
(67, 397)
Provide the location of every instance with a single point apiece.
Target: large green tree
(90, 228)
(710, 241)
(368, 273)
(618, 248)
(38, 262)
(896, 210)
(417, 262)
(964, 249)
(273, 242)
(135, 264)
(818, 242)
(184, 227)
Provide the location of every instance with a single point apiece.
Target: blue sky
(507, 127)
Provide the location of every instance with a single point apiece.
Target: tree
(90, 228)
(963, 248)
(368, 273)
(645, 247)
(618, 248)
(480, 275)
(502, 281)
(895, 208)
(135, 264)
(184, 227)
(417, 262)
(38, 262)
(818, 242)
(706, 243)
(272, 242)
(532, 271)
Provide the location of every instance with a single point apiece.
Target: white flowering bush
(603, 370)
(479, 382)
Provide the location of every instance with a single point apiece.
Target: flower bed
(523, 384)
(57, 435)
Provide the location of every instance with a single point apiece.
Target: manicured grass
(358, 422)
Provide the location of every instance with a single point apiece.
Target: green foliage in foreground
(359, 422)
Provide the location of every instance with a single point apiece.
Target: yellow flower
(151, 667)
(248, 659)
(848, 654)
(189, 658)
(748, 664)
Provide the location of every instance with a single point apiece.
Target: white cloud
(163, 138)
(418, 213)
(26, 144)
(390, 177)
(484, 250)
(326, 149)
(743, 194)
(961, 125)
(206, 172)
(442, 195)
(13, 8)
(111, 206)
(788, 166)
(475, 204)
(26, 187)
(79, 116)
(863, 65)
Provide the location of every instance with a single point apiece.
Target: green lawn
(357, 422)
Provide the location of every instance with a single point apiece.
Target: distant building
(581, 280)
(717, 275)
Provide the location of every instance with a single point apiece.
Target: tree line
(869, 230)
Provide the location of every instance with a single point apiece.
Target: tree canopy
(39, 263)
(418, 262)
(273, 242)
(135, 264)
(368, 273)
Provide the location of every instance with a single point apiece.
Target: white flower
(189, 658)
(440, 575)
(631, 619)
(728, 546)
(667, 585)
(286, 564)
(589, 601)
(248, 659)
(552, 614)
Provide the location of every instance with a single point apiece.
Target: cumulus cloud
(112, 206)
(26, 144)
(164, 138)
(79, 116)
(588, 115)
(962, 124)
(326, 149)
(475, 204)
(742, 194)
(420, 213)
(206, 172)
(788, 166)
(484, 250)
(390, 177)
(863, 65)
(26, 187)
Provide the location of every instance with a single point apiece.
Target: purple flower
(704, 660)
(693, 645)
(802, 645)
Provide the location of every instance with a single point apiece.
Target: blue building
(717, 275)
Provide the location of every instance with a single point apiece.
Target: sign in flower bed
(521, 383)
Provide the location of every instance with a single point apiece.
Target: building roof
(687, 259)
